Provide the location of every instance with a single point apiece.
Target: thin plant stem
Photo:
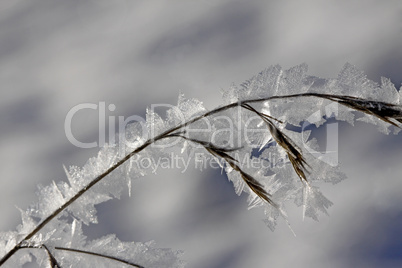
(99, 255)
(335, 98)
(52, 260)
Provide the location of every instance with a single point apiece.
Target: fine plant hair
(272, 102)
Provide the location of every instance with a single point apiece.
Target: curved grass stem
(384, 111)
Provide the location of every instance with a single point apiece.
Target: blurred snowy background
(55, 54)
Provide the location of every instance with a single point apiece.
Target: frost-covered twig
(263, 91)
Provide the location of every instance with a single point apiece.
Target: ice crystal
(258, 136)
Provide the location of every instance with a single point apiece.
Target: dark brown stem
(99, 255)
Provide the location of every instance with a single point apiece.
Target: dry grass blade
(251, 182)
(52, 260)
(216, 151)
(295, 156)
(388, 112)
(254, 185)
(382, 110)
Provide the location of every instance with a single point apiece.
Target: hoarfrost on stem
(257, 136)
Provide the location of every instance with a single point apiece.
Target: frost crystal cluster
(257, 136)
